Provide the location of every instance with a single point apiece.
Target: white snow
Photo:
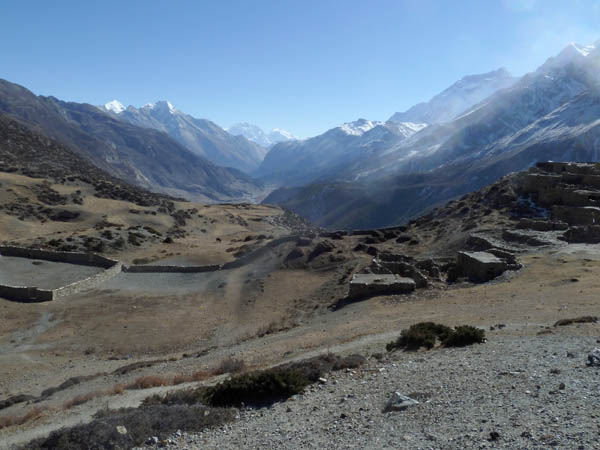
(114, 106)
(359, 127)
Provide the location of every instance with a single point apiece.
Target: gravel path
(535, 392)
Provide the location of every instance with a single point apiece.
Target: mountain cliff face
(331, 153)
(458, 98)
(200, 136)
(256, 134)
(549, 114)
(140, 156)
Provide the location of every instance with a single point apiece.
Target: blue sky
(302, 65)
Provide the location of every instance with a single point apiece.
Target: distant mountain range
(458, 98)
(141, 156)
(328, 155)
(552, 113)
(256, 134)
(201, 136)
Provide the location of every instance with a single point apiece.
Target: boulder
(594, 357)
(399, 402)
(320, 248)
(587, 235)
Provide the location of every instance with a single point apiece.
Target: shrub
(426, 334)
(140, 423)
(258, 388)
(464, 335)
(582, 319)
(423, 334)
(9, 421)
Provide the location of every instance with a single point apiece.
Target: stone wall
(87, 283)
(88, 259)
(26, 294)
(33, 294)
(113, 268)
(171, 269)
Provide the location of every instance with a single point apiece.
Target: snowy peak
(114, 106)
(256, 134)
(161, 105)
(573, 53)
(458, 98)
(359, 127)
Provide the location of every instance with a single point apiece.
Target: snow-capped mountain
(458, 98)
(552, 113)
(329, 154)
(200, 136)
(114, 106)
(256, 134)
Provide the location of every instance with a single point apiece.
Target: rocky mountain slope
(547, 114)
(200, 136)
(330, 154)
(258, 135)
(141, 156)
(458, 98)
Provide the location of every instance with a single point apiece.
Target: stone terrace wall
(33, 294)
(88, 259)
(113, 267)
(171, 269)
(87, 283)
(26, 294)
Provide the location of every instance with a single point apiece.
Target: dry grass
(230, 365)
(81, 399)
(148, 382)
(11, 421)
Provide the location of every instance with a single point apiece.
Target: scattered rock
(594, 357)
(399, 402)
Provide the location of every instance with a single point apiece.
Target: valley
(415, 266)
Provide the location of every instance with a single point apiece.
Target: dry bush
(230, 365)
(117, 389)
(81, 399)
(148, 382)
(10, 421)
(582, 319)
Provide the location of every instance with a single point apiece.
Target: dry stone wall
(32, 294)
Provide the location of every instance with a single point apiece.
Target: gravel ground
(535, 392)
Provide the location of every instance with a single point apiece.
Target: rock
(152, 440)
(321, 247)
(121, 429)
(494, 436)
(594, 357)
(399, 402)
(294, 254)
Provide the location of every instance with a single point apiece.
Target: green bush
(423, 334)
(258, 388)
(426, 334)
(464, 335)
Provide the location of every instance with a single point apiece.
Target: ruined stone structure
(365, 285)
